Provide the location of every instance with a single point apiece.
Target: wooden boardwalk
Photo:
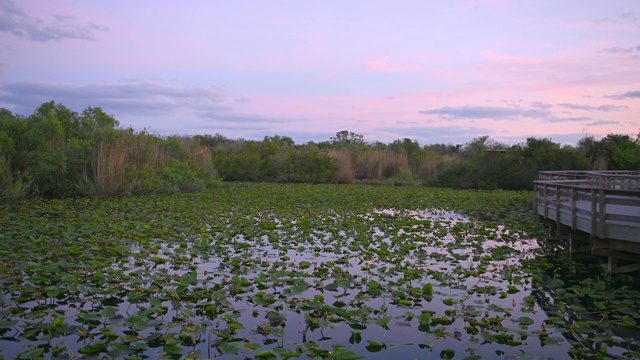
(599, 208)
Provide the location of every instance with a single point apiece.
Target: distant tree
(444, 149)
(621, 151)
(346, 138)
(212, 141)
(480, 145)
(93, 120)
(279, 141)
(310, 165)
(241, 162)
(411, 148)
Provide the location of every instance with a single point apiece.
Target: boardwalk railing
(603, 204)
(622, 180)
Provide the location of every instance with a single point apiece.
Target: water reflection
(317, 292)
(582, 299)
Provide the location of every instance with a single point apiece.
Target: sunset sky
(432, 71)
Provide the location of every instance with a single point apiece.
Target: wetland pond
(299, 271)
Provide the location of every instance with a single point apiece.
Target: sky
(428, 70)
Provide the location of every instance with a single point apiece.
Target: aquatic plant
(298, 271)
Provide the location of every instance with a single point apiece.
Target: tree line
(56, 152)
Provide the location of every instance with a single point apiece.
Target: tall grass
(428, 166)
(345, 173)
(601, 163)
(377, 166)
(202, 155)
(109, 169)
(121, 164)
(395, 163)
(369, 165)
(145, 152)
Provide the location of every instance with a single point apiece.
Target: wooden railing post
(602, 202)
(546, 201)
(574, 208)
(557, 206)
(594, 217)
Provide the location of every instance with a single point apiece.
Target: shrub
(308, 164)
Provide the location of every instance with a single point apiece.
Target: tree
(280, 141)
(613, 152)
(444, 149)
(212, 141)
(346, 138)
(309, 165)
(94, 119)
(621, 151)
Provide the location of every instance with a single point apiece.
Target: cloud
(513, 113)
(240, 119)
(604, 122)
(541, 105)
(566, 120)
(628, 94)
(626, 17)
(134, 96)
(486, 112)
(141, 102)
(384, 65)
(621, 50)
(604, 108)
(16, 21)
(437, 134)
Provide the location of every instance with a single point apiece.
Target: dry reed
(110, 167)
(369, 165)
(115, 158)
(394, 162)
(600, 164)
(345, 170)
(428, 166)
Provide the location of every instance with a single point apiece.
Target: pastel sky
(429, 70)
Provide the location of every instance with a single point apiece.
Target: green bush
(309, 165)
(186, 176)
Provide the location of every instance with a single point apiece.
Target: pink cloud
(509, 59)
(384, 65)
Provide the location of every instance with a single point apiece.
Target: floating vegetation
(298, 271)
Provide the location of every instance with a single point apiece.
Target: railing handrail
(588, 187)
(586, 173)
(610, 180)
(557, 199)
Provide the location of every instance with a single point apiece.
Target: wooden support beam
(616, 254)
(619, 245)
(628, 268)
(582, 249)
(558, 238)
